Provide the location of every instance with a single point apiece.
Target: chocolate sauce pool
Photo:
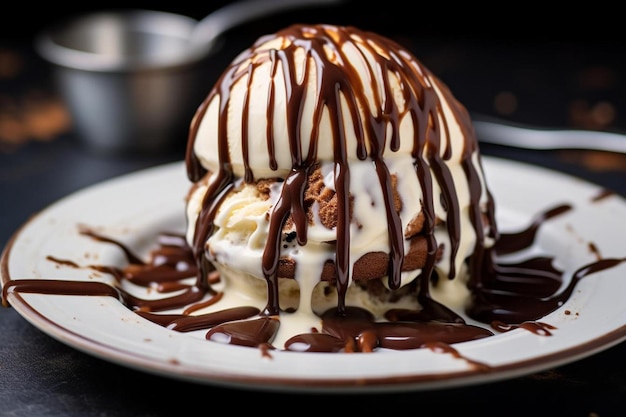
(504, 295)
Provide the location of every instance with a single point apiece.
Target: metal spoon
(525, 137)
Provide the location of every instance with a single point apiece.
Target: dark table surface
(552, 82)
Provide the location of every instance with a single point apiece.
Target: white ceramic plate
(136, 207)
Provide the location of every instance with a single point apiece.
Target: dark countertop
(554, 82)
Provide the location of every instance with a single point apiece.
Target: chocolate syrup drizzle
(336, 78)
(503, 295)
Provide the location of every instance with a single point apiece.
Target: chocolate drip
(439, 347)
(39, 286)
(337, 79)
(513, 242)
(132, 258)
(187, 323)
(204, 224)
(603, 194)
(355, 330)
(290, 199)
(254, 332)
(525, 290)
(536, 327)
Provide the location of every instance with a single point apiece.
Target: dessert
(337, 204)
(332, 170)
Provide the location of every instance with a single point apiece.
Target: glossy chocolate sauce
(336, 79)
(504, 295)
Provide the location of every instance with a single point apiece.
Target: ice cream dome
(332, 172)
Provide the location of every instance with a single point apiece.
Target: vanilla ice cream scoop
(331, 154)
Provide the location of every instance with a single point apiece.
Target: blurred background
(527, 64)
